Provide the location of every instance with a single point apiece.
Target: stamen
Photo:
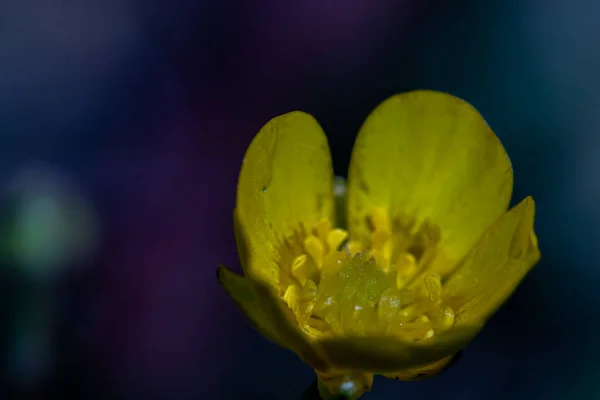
(335, 238)
(389, 305)
(410, 312)
(314, 248)
(380, 260)
(362, 290)
(444, 319)
(354, 247)
(433, 284)
(406, 269)
(382, 249)
(301, 269)
(291, 297)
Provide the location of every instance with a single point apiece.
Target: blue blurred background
(123, 124)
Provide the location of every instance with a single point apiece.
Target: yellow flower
(430, 250)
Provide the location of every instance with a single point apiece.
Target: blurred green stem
(32, 333)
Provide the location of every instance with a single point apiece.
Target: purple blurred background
(135, 116)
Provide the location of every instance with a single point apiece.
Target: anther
(344, 286)
(433, 285)
(354, 247)
(406, 269)
(442, 318)
(335, 238)
(389, 304)
(314, 247)
(291, 297)
(447, 318)
(300, 268)
(382, 249)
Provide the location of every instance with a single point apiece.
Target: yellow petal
(287, 328)
(240, 290)
(421, 372)
(494, 267)
(269, 317)
(429, 156)
(387, 355)
(285, 184)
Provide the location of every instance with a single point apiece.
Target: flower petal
(429, 156)
(287, 327)
(421, 372)
(286, 183)
(240, 290)
(270, 317)
(387, 354)
(494, 267)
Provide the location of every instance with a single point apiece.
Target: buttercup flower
(430, 250)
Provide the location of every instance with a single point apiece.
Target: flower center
(340, 287)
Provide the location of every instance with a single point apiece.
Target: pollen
(382, 286)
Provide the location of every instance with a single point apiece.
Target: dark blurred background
(123, 124)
